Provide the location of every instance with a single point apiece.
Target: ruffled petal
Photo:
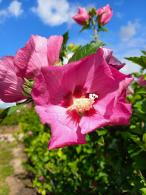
(112, 60)
(121, 109)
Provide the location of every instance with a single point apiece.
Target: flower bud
(142, 81)
(104, 15)
(82, 16)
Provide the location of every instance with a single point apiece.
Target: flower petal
(90, 123)
(57, 82)
(39, 52)
(32, 57)
(112, 108)
(64, 130)
(121, 110)
(48, 86)
(10, 84)
(54, 47)
(111, 60)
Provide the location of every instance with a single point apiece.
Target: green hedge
(113, 161)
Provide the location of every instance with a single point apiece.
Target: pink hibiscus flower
(10, 83)
(38, 52)
(79, 97)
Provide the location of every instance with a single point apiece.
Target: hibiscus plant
(81, 96)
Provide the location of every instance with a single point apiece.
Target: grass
(5, 167)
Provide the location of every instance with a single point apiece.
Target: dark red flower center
(79, 101)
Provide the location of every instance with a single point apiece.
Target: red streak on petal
(74, 116)
(67, 100)
(91, 112)
(79, 92)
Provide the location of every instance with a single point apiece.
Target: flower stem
(95, 31)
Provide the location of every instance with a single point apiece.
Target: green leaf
(144, 59)
(100, 141)
(9, 111)
(13, 109)
(140, 161)
(144, 52)
(138, 60)
(141, 91)
(102, 132)
(64, 45)
(85, 27)
(86, 50)
(144, 106)
(101, 28)
(65, 38)
(143, 190)
(144, 137)
(4, 114)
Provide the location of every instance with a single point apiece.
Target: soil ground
(13, 177)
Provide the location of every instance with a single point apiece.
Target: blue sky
(21, 18)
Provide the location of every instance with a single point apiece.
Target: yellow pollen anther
(83, 104)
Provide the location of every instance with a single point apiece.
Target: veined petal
(32, 57)
(39, 52)
(54, 47)
(91, 123)
(64, 130)
(10, 84)
(48, 86)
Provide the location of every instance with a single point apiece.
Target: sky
(19, 19)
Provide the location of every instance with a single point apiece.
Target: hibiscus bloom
(79, 97)
(38, 52)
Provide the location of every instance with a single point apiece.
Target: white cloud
(54, 12)
(3, 13)
(132, 40)
(129, 31)
(14, 9)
